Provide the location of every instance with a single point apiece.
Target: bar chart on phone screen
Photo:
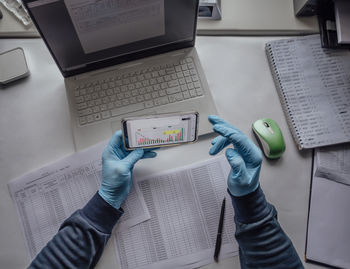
(161, 135)
(167, 129)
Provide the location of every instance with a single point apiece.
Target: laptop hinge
(105, 70)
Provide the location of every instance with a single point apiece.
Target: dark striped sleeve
(81, 239)
(262, 242)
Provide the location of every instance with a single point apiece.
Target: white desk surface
(239, 17)
(257, 17)
(35, 130)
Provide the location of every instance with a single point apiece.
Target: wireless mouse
(270, 137)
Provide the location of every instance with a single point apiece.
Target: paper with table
(328, 236)
(334, 163)
(313, 85)
(170, 219)
(184, 205)
(46, 197)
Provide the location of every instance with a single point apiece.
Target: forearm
(262, 242)
(81, 238)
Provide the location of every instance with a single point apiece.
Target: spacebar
(127, 109)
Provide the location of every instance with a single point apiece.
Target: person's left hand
(245, 158)
(117, 165)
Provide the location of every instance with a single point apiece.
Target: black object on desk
(219, 235)
(325, 11)
(328, 30)
(305, 7)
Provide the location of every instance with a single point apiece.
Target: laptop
(124, 58)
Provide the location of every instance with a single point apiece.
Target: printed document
(334, 163)
(328, 236)
(103, 24)
(185, 206)
(46, 197)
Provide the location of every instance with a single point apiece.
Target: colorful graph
(168, 136)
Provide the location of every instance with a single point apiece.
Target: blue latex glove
(117, 165)
(245, 159)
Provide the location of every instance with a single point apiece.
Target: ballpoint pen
(219, 235)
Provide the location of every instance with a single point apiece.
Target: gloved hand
(117, 165)
(245, 159)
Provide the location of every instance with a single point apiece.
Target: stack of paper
(170, 219)
(184, 205)
(334, 163)
(46, 197)
(328, 238)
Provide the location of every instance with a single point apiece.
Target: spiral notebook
(314, 89)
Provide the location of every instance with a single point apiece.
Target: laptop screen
(86, 33)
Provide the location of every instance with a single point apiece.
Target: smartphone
(160, 130)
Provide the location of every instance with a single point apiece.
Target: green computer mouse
(270, 138)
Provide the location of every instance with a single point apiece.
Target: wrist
(251, 207)
(109, 198)
(239, 191)
(101, 214)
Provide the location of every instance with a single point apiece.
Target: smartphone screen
(160, 130)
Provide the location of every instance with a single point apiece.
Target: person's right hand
(117, 166)
(245, 158)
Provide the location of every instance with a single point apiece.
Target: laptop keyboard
(142, 89)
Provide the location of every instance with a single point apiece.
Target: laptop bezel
(118, 59)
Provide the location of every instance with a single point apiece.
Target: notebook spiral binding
(284, 102)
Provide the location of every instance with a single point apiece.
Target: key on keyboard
(147, 88)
